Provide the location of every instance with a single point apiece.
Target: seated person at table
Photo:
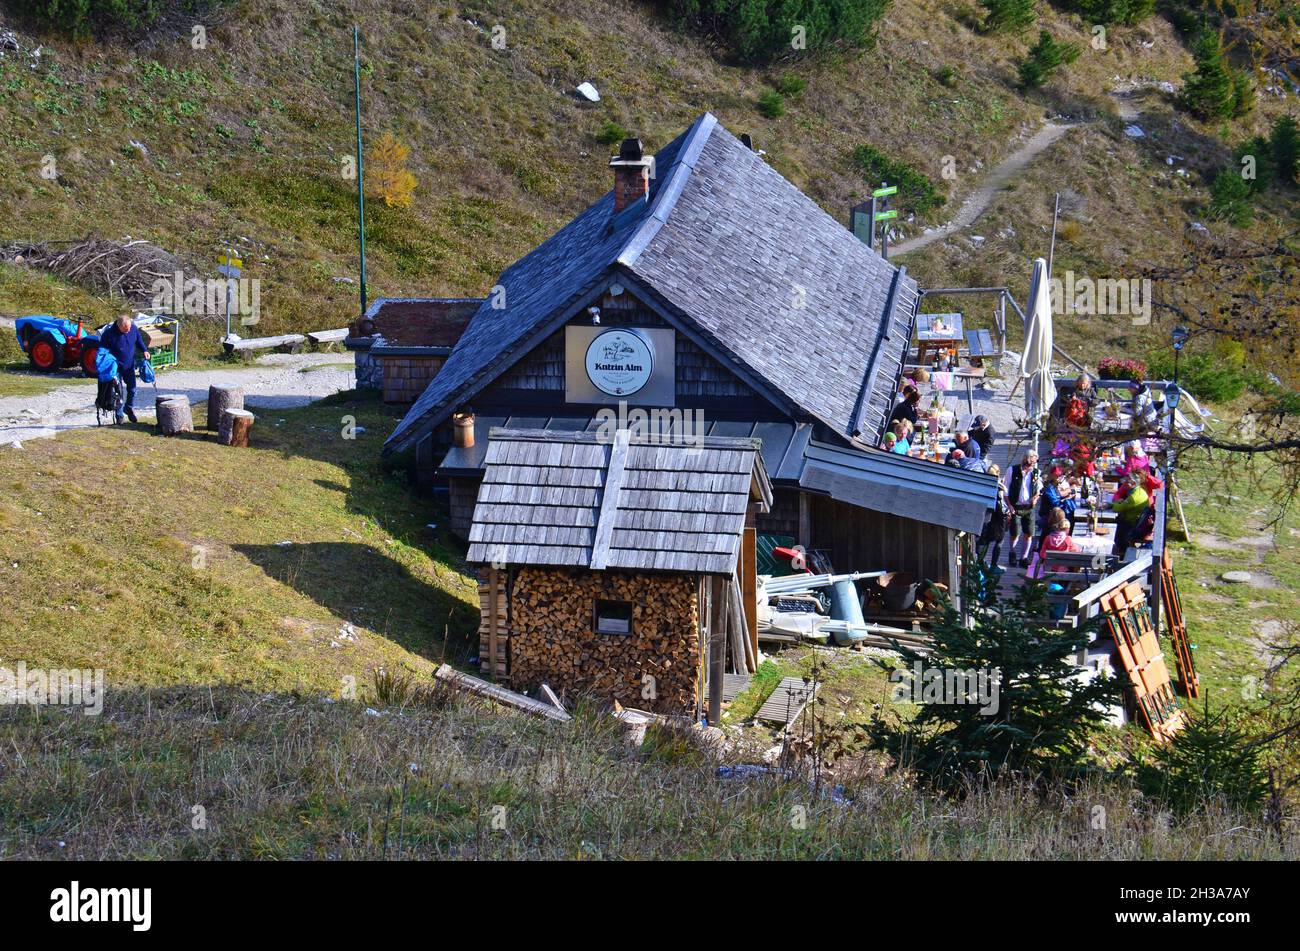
(983, 434)
(906, 408)
(955, 459)
(1078, 409)
(1136, 459)
(1131, 505)
(1144, 408)
(1085, 391)
(889, 442)
(969, 446)
(902, 437)
(1058, 494)
(1056, 538)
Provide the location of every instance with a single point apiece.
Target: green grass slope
(244, 141)
(178, 561)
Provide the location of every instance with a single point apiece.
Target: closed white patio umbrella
(1036, 361)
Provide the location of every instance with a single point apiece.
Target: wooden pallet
(733, 685)
(786, 702)
(1127, 618)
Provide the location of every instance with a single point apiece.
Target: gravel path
(978, 201)
(275, 381)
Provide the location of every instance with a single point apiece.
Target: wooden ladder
(494, 625)
(1172, 606)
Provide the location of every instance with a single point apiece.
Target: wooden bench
(321, 338)
(288, 342)
(980, 347)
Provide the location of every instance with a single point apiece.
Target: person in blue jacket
(122, 340)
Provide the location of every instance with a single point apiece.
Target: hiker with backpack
(123, 340)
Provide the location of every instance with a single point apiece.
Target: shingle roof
(573, 499)
(900, 485)
(728, 245)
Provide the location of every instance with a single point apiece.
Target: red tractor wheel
(45, 353)
(88, 353)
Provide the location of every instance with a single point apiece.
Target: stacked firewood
(655, 667)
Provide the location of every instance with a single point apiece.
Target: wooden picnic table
(938, 333)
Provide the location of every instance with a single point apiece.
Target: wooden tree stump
(221, 397)
(234, 428)
(174, 416)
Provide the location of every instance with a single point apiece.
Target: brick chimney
(631, 174)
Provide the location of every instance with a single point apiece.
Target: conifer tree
(386, 171)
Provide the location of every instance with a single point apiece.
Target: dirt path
(978, 201)
(275, 381)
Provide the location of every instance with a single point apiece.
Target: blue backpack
(146, 372)
(105, 365)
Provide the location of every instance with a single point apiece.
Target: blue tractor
(52, 343)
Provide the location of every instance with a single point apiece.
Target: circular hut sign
(619, 362)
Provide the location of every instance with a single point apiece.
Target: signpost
(229, 267)
(880, 212)
(864, 217)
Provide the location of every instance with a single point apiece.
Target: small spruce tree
(1213, 757)
(1045, 57)
(1045, 715)
(1004, 16)
(1285, 142)
(1208, 91)
(1230, 198)
(1255, 163)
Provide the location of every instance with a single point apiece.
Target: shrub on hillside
(1214, 90)
(771, 104)
(915, 190)
(1254, 162)
(1045, 58)
(611, 133)
(791, 85)
(1110, 12)
(1218, 375)
(764, 30)
(1285, 142)
(1231, 198)
(1003, 16)
(1212, 758)
(83, 17)
(386, 171)
(1043, 717)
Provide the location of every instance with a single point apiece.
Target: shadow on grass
(356, 583)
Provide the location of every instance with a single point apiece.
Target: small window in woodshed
(613, 617)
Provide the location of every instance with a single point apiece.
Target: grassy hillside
(243, 141)
(177, 561)
(283, 777)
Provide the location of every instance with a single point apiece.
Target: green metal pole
(361, 168)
